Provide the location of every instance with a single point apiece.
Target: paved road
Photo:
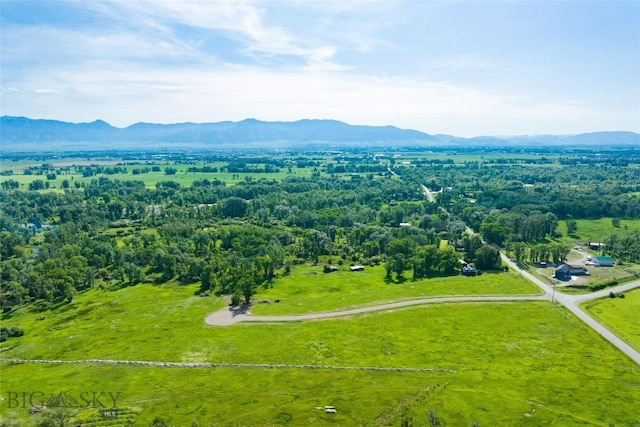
(230, 316)
(430, 193)
(571, 303)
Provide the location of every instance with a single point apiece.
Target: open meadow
(594, 230)
(308, 289)
(65, 170)
(620, 315)
(565, 373)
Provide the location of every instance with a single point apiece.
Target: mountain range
(25, 134)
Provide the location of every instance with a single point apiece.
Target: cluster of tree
(624, 248)
(579, 191)
(38, 184)
(38, 170)
(355, 168)
(203, 169)
(541, 252)
(231, 238)
(499, 226)
(236, 238)
(138, 171)
(242, 167)
(93, 170)
(9, 184)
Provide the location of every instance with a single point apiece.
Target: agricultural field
(619, 315)
(64, 171)
(165, 323)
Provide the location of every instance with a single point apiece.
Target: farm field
(480, 341)
(308, 289)
(181, 176)
(620, 315)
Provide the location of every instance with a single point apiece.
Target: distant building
(603, 261)
(405, 224)
(565, 271)
(356, 267)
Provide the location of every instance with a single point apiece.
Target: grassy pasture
(594, 230)
(235, 396)
(620, 315)
(527, 363)
(150, 179)
(307, 289)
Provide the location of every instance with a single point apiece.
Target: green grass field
(620, 315)
(150, 179)
(308, 289)
(594, 230)
(528, 363)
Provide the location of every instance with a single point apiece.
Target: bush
(236, 298)
(13, 331)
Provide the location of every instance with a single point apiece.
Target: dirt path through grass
(220, 365)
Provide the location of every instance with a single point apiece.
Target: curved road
(232, 315)
(571, 303)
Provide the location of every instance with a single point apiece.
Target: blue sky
(464, 68)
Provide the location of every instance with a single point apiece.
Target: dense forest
(353, 209)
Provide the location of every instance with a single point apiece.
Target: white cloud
(243, 21)
(167, 61)
(122, 96)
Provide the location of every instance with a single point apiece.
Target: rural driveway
(232, 315)
(571, 303)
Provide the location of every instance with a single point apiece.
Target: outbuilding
(603, 261)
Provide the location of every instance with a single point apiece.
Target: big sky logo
(83, 399)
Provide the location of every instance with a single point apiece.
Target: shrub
(236, 298)
(13, 331)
